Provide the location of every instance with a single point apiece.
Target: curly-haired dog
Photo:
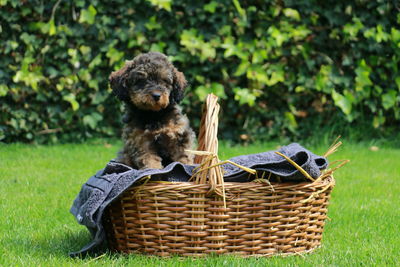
(156, 132)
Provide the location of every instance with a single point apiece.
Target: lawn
(39, 183)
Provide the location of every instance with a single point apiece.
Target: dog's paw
(186, 159)
(152, 162)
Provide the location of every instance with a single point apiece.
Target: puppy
(156, 132)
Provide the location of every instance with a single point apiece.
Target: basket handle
(208, 140)
(209, 170)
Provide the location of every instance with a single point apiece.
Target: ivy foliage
(277, 65)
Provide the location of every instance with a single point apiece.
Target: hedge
(282, 68)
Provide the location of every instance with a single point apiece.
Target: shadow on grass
(57, 245)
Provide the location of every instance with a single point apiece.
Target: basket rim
(168, 185)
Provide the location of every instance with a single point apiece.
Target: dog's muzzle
(156, 96)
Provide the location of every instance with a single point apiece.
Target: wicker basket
(209, 216)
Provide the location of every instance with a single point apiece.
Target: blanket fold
(109, 183)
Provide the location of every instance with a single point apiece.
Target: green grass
(39, 183)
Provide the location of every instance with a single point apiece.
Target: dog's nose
(156, 96)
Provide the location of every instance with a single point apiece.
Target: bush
(282, 68)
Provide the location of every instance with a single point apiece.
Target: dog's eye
(167, 81)
(138, 76)
(139, 79)
(139, 82)
(135, 82)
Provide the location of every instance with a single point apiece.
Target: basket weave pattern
(193, 219)
(181, 219)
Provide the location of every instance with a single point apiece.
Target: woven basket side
(183, 220)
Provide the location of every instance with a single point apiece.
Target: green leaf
(256, 72)
(158, 47)
(378, 120)
(3, 89)
(244, 96)
(381, 36)
(85, 49)
(230, 47)
(277, 37)
(210, 7)
(352, 29)
(152, 24)
(218, 90)
(72, 52)
(195, 43)
(259, 56)
(12, 44)
(165, 4)
(72, 100)
(377, 33)
(342, 102)
(215, 88)
(95, 62)
(397, 80)
(242, 68)
(292, 13)
(276, 76)
(28, 39)
(271, 76)
(99, 97)
(84, 75)
(395, 36)
(45, 49)
(88, 15)
(239, 9)
(362, 76)
(322, 80)
(114, 55)
(29, 77)
(389, 99)
(291, 119)
(52, 27)
(92, 119)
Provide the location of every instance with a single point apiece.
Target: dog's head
(149, 82)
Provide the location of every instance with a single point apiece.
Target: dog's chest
(164, 134)
(167, 133)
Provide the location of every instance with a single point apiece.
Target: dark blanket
(107, 184)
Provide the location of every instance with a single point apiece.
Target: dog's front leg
(148, 159)
(184, 157)
(185, 141)
(141, 151)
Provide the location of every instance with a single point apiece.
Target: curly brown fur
(156, 132)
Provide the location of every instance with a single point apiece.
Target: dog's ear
(179, 86)
(118, 82)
